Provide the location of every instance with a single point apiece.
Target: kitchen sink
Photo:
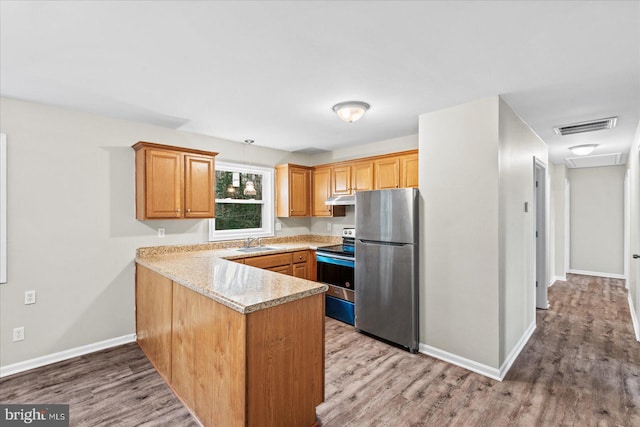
(257, 249)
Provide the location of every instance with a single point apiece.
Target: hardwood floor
(581, 367)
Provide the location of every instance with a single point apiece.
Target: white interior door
(541, 234)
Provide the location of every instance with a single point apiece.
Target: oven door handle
(336, 260)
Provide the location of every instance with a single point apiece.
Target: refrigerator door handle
(375, 242)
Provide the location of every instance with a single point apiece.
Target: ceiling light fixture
(350, 111)
(583, 150)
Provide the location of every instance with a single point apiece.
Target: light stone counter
(207, 271)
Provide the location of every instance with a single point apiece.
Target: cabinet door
(362, 176)
(163, 172)
(409, 171)
(301, 270)
(321, 191)
(341, 179)
(299, 189)
(387, 172)
(198, 187)
(283, 269)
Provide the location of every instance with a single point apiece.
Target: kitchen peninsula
(240, 346)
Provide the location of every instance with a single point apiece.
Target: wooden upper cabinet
(409, 171)
(362, 176)
(352, 177)
(293, 190)
(387, 173)
(163, 183)
(173, 182)
(199, 199)
(341, 180)
(321, 187)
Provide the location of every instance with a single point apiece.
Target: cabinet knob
(178, 210)
(300, 257)
(188, 210)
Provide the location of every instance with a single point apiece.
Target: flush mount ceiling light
(583, 150)
(351, 111)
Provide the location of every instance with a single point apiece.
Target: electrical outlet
(328, 226)
(278, 226)
(160, 232)
(18, 333)
(29, 297)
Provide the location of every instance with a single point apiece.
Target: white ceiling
(271, 71)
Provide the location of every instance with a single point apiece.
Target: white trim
(598, 274)
(560, 278)
(64, 355)
(627, 226)
(634, 317)
(479, 368)
(506, 365)
(463, 362)
(567, 226)
(3, 208)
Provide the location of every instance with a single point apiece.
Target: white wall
(518, 147)
(558, 174)
(597, 219)
(403, 143)
(477, 283)
(71, 223)
(634, 264)
(459, 183)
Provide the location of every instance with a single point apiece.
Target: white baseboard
(560, 278)
(479, 368)
(598, 274)
(463, 362)
(64, 355)
(524, 339)
(634, 317)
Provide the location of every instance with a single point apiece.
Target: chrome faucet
(249, 240)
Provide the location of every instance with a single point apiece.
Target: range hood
(346, 200)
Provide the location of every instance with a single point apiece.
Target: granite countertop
(207, 270)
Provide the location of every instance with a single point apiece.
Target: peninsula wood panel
(153, 318)
(209, 358)
(287, 339)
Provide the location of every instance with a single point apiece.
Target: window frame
(267, 202)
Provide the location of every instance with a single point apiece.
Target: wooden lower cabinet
(264, 368)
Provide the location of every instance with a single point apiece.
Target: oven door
(336, 270)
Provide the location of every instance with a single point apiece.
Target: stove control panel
(349, 232)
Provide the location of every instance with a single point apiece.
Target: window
(239, 212)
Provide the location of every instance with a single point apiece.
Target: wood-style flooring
(581, 368)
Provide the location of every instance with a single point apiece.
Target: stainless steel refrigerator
(386, 275)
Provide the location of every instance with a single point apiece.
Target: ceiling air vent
(586, 126)
(595, 161)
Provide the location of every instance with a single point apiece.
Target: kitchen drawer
(300, 256)
(269, 261)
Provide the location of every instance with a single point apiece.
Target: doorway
(540, 210)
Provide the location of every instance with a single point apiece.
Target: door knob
(636, 256)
